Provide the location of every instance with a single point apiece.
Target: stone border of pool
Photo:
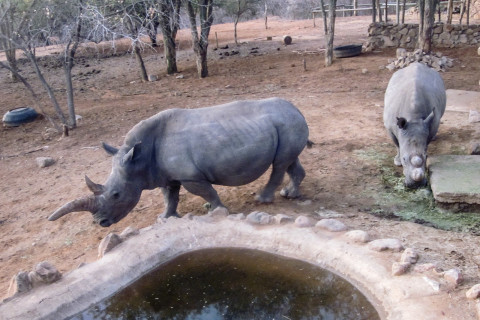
(404, 297)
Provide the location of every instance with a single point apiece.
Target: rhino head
(413, 139)
(112, 201)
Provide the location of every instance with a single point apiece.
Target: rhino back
(231, 144)
(413, 93)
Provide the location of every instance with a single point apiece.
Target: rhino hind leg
(205, 190)
(296, 174)
(276, 179)
(171, 198)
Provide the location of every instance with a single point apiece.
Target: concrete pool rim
(405, 297)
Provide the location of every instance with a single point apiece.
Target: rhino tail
(88, 203)
(310, 144)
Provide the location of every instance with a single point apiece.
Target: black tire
(16, 117)
(350, 50)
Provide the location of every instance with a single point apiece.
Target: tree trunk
(170, 51)
(235, 23)
(404, 6)
(265, 15)
(425, 37)
(374, 11)
(47, 87)
(331, 32)
(449, 11)
(169, 20)
(138, 56)
(324, 17)
(200, 42)
(379, 8)
(6, 25)
(421, 12)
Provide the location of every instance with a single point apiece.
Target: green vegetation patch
(394, 201)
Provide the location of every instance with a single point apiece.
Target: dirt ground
(342, 105)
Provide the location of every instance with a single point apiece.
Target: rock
(453, 276)
(18, 284)
(236, 217)
(44, 162)
(323, 213)
(409, 256)
(46, 272)
(304, 222)
(478, 51)
(287, 40)
(358, 236)
(219, 212)
(473, 116)
(473, 292)
(332, 225)
(269, 38)
(401, 52)
(399, 268)
(128, 232)
(386, 244)
(304, 203)
(152, 77)
(282, 218)
(258, 217)
(475, 148)
(364, 71)
(181, 76)
(108, 243)
(425, 267)
(434, 284)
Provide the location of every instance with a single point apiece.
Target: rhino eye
(116, 195)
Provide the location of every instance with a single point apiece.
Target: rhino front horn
(88, 203)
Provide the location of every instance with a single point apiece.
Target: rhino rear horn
(97, 189)
(88, 203)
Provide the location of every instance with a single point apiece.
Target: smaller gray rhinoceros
(414, 103)
(231, 145)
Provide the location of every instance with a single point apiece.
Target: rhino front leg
(171, 198)
(205, 190)
(296, 173)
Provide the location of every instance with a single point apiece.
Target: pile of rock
(436, 61)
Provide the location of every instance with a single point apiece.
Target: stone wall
(381, 35)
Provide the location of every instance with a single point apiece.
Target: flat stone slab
(462, 101)
(455, 178)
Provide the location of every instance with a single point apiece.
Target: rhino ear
(132, 154)
(428, 121)
(402, 123)
(97, 189)
(109, 149)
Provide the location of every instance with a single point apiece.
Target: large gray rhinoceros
(231, 145)
(414, 103)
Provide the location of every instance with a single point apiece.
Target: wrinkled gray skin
(231, 145)
(414, 103)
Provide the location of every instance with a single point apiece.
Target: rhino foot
(264, 199)
(289, 193)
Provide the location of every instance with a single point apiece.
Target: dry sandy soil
(342, 105)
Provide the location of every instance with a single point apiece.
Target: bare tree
(169, 17)
(427, 17)
(329, 28)
(7, 25)
(237, 9)
(204, 8)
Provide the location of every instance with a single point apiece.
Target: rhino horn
(88, 203)
(417, 161)
(97, 189)
(418, 174)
